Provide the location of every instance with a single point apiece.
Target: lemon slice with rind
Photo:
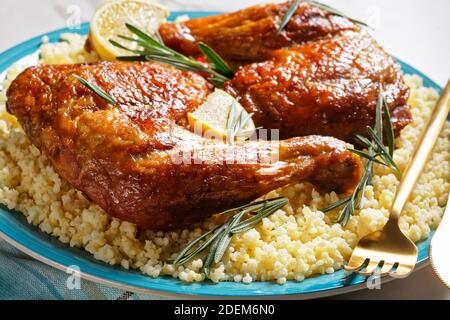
(221, 117)
(110, 20)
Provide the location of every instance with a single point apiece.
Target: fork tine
(402, 271)
(370, 269)
(386, 268)
(355, 263)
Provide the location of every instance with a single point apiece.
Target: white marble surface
(416, 31)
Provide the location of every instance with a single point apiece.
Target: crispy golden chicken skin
(251, 34)
(327, 87)
(137, 161)
(319, 76)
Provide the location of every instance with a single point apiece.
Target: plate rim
(8, 57)
(167, 294)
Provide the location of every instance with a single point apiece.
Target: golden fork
(389, 251)
(440, 260)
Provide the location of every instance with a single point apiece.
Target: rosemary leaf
(231, 120)
(389, 130)
(367, 180)
(336, 204)
(288, 15)
(381, 149)
(295, 4)
(131, 58)
(379, 118)
(366, 156)
(264, 212)
(192, 244)
(188, 256)
(345, 214)
(243, 123)
(173, 61)
(251, 206)
(148, 40)
(355, 201)
(376, 140)
(219, 65)
(97, 90)
(149, 47)
(337, 12)
(225, 239)
(217, 81)
(363, 141)
(236, 125)
(210, 257)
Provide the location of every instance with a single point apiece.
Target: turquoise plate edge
(46, 248)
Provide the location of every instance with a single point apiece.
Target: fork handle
(421, 152)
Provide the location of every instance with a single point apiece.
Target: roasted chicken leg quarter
(251, 34)
(137, 160)
(327, 87)
(320, 75)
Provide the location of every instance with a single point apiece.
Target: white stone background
(416, 31)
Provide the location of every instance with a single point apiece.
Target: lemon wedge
(221, 116)
(109, 21)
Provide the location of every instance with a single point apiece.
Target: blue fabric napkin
(24, 278)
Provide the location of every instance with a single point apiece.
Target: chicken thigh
(137, 160)
(320, 75)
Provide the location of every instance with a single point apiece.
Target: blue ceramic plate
(15, 229)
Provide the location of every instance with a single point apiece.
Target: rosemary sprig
(97, 90)
(376, 152)
(295, 4)
(236, 124)
(376, 144)
(219, 238)
(355, 200)
(151, 49)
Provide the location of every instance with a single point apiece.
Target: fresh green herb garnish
(216, 61)
(97, 90)
(376, 152)
(295, 4)
(288, 15)
(153, 50)
(219, 238)
(354, 201)
(235, 125)
(383, 127)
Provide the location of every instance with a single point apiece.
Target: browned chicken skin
(250, 34)
(138, 162)
(327, 87)
(321, 75)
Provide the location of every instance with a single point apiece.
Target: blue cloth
(22, 277)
